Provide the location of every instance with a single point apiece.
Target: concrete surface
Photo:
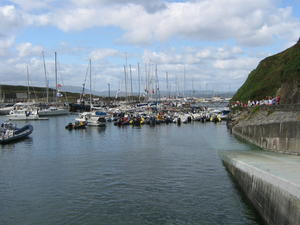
(271, 181)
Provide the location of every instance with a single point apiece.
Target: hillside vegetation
(272, 75)
(37, 93)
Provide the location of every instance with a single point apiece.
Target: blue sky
(218, 41)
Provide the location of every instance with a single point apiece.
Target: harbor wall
(277, 200)
(283, 137)
(274, 128)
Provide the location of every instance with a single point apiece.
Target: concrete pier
(271, 181)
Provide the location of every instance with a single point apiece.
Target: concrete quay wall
(283, 137)
(276, 199)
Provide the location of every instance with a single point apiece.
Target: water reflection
(120, 175)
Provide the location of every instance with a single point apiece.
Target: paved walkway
(279, 169)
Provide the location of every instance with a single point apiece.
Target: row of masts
(152, 83)
(46, 80)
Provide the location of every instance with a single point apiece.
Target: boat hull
(58, 112)
(25, 118)
(18, 134)
(5, 111)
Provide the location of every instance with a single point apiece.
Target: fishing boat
(9, 133)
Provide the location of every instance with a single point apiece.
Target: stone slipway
(271, 182)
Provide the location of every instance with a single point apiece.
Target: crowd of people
(251, 103)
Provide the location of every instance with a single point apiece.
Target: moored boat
(9, 133)
(53, 111)
(76, 125)
(24, 111)
(92, 118)
(6, 109)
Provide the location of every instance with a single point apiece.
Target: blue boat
(9, 133)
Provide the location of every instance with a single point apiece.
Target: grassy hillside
(9, 93)
(37, 93)
(270, 74)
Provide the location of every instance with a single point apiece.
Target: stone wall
(275, 128)
(283, 137)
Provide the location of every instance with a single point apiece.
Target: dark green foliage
(39, 94)
(269, 75)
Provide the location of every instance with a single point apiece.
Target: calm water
(161, 175)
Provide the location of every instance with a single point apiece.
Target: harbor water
(151, 175)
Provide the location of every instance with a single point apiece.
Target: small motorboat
(10, 133)
(76, 125)
(93, 118)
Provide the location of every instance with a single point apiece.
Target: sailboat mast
(167, 81)
(46, 80)
(146, 81)
(193, 87)
(56, 91)
(90, 85)
(139, 77)
(184, 81)
(157, 84)
(28, 92)
(131, 90)
(125, 74)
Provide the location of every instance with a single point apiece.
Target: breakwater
(283, 137)
(270, 180)
(271, 128)
(271, 183)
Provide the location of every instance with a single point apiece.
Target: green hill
(9, 93)
(275, 75)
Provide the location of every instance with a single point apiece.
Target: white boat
(185, 118)
(23, 114)
(6, 110)
(92, 119)
(53, 111)
(24, 111)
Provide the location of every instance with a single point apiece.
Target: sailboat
(92, 118)
(24, 111)
(53, 110)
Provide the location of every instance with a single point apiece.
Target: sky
(215, 44)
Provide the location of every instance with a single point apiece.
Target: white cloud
(150, 6)
(29, 5)
(240, 22)
(213, 66)
(236, 63)
(5, 45)
(99, 54)
(27, 49)
(249, 22)
(10, 20)
(252, 22)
